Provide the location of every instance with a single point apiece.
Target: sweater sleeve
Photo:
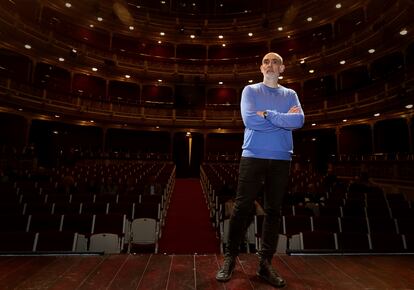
(249, 113)
(288, 121)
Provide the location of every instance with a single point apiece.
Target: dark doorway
(188, 153)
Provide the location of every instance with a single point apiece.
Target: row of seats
(110, 223)
(337, 209)
(351, 242)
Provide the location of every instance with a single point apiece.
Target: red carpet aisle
(188, 229)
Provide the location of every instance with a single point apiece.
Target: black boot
(224, 274)
(267, 273)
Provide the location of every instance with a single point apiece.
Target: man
(270, 113)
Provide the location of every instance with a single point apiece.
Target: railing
(14, 93)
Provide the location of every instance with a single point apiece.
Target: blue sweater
(269, 138)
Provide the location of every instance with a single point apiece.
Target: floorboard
(197, 272)
(130, 274)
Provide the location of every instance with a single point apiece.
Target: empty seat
(58, 197)
(326, 224)
(66, 208)
(295, 224)
(354, 225)
(405, 225)
(144, 233)
(353, 211)
(82, 197)
(17, 241)
(79, 223)
(302, 210)
(353, 242)
(378, 212)
(108, 233)
(14, 223)
(331, 210)
(38, 208)
(147, 210)
(94, 207)
(382, 225)
(387, 242)
(402, 212)
(56, 241)
(45, 222)
(125, 208)
(319, 241)
(106, 198)
(11, 208)
(409, 242)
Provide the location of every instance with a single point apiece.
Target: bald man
(270, 113)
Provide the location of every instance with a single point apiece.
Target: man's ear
(281, 68)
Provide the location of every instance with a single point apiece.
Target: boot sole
(268, 281)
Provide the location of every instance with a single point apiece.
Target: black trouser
(253, 174)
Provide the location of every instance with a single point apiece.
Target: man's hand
(294, 109)
(260, 113)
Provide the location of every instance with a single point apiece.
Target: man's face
(271, 66)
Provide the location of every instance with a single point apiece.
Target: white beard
(271, 77)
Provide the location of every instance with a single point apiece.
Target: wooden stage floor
(181, 272)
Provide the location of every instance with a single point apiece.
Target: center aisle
(188, 229)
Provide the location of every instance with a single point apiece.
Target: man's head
(272, 66)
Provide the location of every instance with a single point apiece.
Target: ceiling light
(338, 5)
(223, 45)
(74, 50)
(67, 4)
(280, 28)
(376, 114)
(403, 31)
(162, 33)
(220, 83)
(192, 36)
(127, 76)
(159, 41)
(131, 27)
(371, 50)
(250, 34)
(27, 46)
(94, 69)
(302, 61)
(250, 81)
(91, 25)
(221, 36)
(160, 80)
(57, 116)
(162, 2)
(61, 59)
(309, 19)
(280, 77)
(342, 62)
(92, 121)
(409, 106)
(99, 19)
(311, 71)
(344, 120)
(313, 124)
(55, 132)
